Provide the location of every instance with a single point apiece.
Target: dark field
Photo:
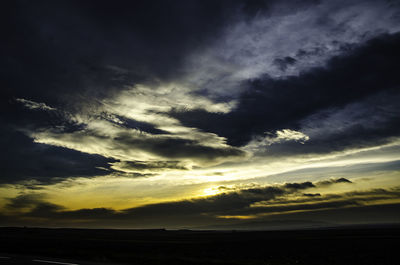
(362, 246)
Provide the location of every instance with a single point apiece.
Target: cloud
(284, 63)
(124, 144)
(289, 135)
(269, 104)
(359, 168)
(74, 67)
(24, 160)
(24, 201)
(316, 202)
(367, 123)
(34, 105)
(180, 148)
(132, 124)
(224, 202)
(252, 202)
(254, 76)
(284, 39)
(133, 166)
(333, 181)
(299, 186)
(280, 136)
(100, 51)
(311, 194)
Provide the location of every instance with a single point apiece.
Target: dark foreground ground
(351, 246)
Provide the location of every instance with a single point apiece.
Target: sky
(200, 114)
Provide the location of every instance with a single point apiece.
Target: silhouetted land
(364, 246)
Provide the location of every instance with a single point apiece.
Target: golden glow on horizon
(211, 191)
(122, 193)
(239, 217)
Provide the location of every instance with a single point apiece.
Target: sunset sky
(200, 114)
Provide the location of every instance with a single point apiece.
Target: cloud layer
(237, 204)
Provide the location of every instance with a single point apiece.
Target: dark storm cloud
(270, 104)
(69, 54)
(65, 52)
(24, 160)
(56, 51)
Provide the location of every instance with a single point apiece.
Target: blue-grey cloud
(270, 104)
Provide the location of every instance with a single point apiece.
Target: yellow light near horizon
(211, 191)
(240, 217)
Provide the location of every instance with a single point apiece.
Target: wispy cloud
(34, 105)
